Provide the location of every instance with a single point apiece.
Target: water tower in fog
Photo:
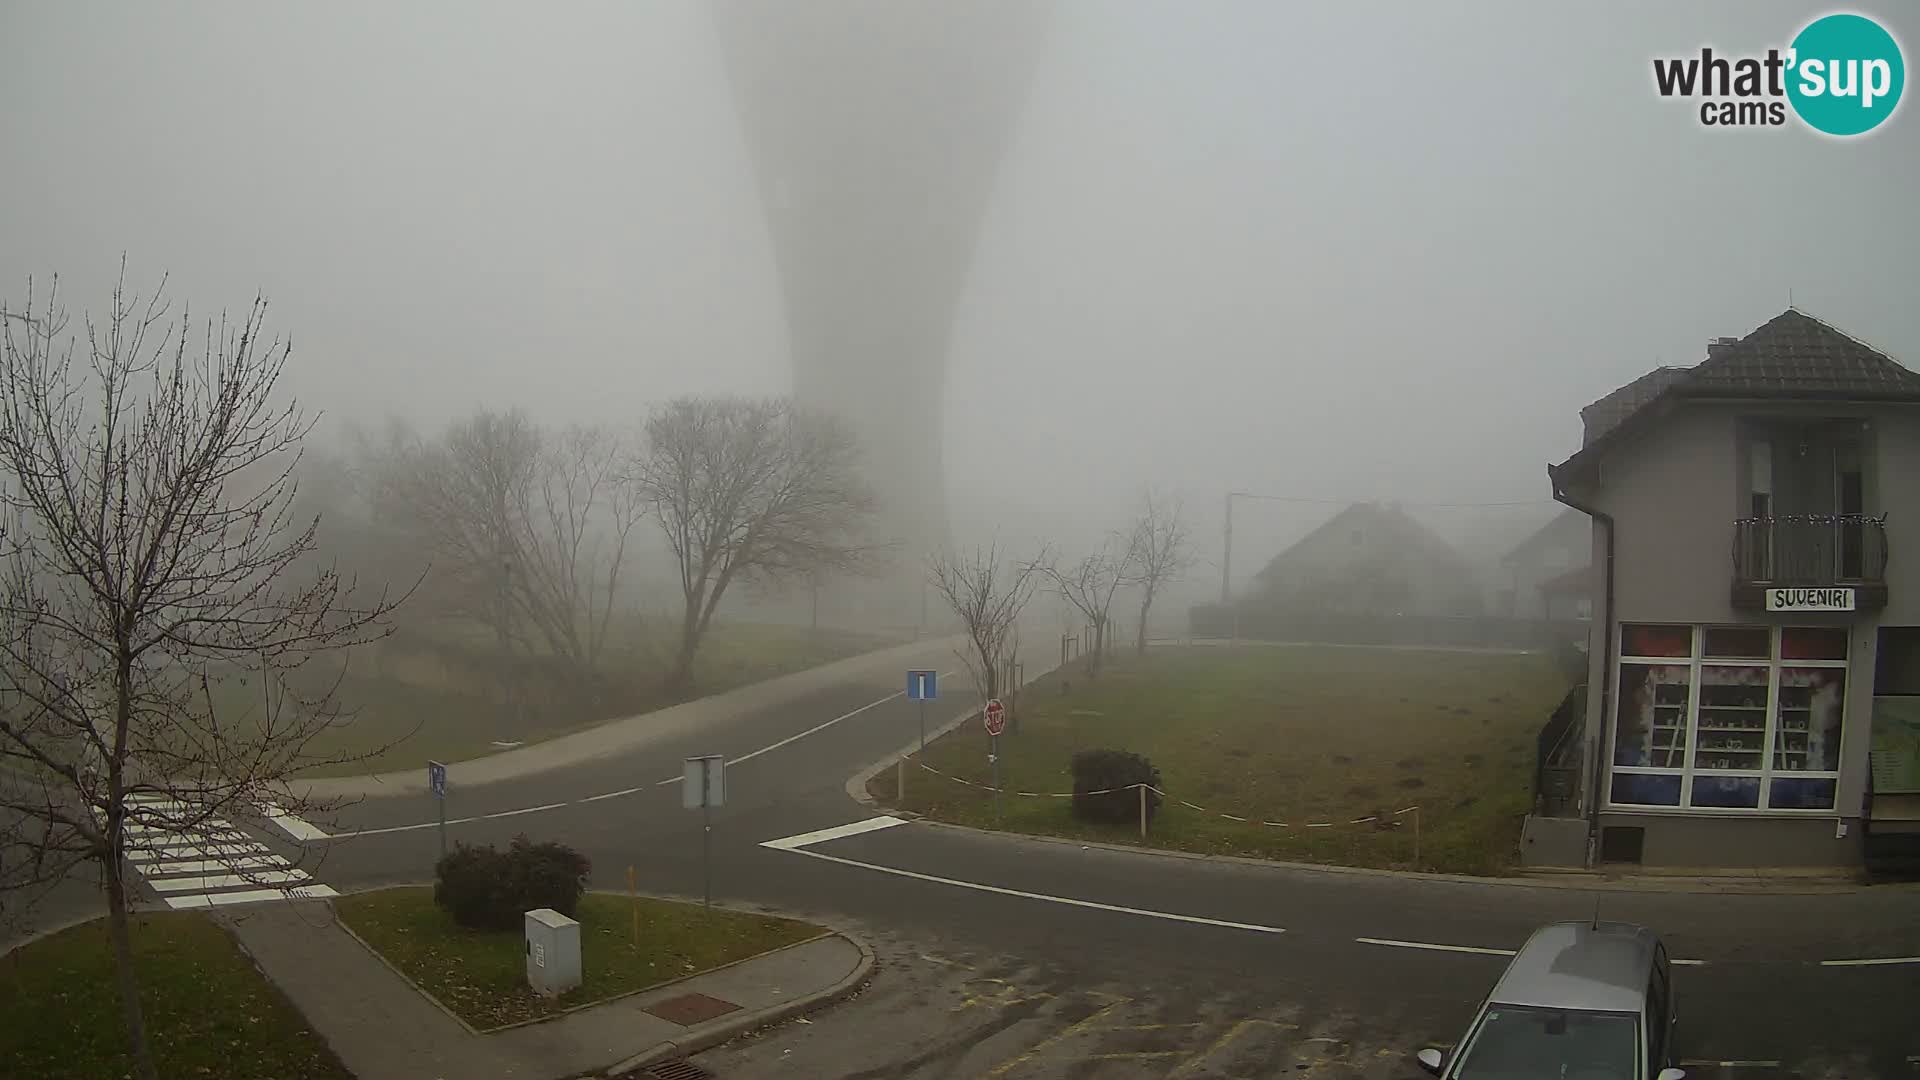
(876, 129)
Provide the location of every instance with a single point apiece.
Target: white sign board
(704, 783)
(1809, 599)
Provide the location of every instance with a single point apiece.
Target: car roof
(1581, 965)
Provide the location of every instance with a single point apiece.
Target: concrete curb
(1703, 884)
(734, 1026)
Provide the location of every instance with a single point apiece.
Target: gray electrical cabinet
(553, 952)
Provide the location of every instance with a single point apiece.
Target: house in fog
(1546, 576)
(1369, 559)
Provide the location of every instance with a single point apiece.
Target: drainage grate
(678, 1069)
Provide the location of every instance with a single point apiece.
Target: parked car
(1580, 1001)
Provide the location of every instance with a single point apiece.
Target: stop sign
(996, 716)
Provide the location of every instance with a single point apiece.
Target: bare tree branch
(147, 482)
(1089, 585)
(750, 489)
(1158, 551)
(987, 593)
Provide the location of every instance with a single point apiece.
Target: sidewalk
(382, 1028)
(883, 667)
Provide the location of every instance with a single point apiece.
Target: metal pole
(1416, 838)
(923, 727)
(1226, 557)
(706, 832)
(900, 781)
(442, 801)
(993, 758)
(1143, 810)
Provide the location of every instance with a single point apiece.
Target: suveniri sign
(1809, 599)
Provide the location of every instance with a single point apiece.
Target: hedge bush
(1113, 773)
(486, 889)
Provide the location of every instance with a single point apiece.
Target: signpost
(703, 787)
(995, 719)
(437, 781)
(923, 686)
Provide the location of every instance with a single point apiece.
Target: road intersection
(1088, 940)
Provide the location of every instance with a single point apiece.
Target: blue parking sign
(922, 686)
(437, 779)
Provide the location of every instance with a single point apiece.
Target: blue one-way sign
(922, 686)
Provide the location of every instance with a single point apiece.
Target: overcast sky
(1344, 251)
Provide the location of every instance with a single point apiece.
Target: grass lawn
(432, 690)
(210, 1013)
(482, 976)
(1291, 734)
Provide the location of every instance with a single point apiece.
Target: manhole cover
(678, 1069)
(690, 1009)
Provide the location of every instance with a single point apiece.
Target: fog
(1356, 251)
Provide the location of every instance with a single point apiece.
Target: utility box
(553, 952)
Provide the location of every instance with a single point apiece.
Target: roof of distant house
(1577, 580)
(1569, 525)
(1791, 356)
(1402, 530)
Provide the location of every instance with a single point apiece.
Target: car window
(1516, 1042)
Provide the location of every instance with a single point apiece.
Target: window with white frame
(1728, 717)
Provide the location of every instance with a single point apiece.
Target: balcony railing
(1810, 549)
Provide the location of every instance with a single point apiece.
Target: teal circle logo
(1845, 74)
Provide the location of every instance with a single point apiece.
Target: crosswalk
(213, 864)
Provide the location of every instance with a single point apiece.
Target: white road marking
(401, 828)
(201, 866)
(251, 896)
(139, 855)
(226, 881)
(821, 836)
(1871, 961)
(1432, 947)
(526, 810)
(293, 825)
(611, 794)
(1042, 897)
(1700, 1063)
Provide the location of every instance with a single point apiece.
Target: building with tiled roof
(1755, 530)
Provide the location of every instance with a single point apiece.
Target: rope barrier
(1368, 820)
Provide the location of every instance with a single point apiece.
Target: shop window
(1807, 735)
(1650, 729)
(1813, 643)
(1733, 792)
(1801, 793)
(1646, 640)
(1737, 642)
(1646, 789)
(1731, 731)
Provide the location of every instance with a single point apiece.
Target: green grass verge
(432, 691)
(482, 976)
(1292, 734)
(210, 1014)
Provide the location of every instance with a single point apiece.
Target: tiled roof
(1792, 355)
(1606, 414)
(1796, 354)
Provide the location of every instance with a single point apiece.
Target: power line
(1395, 502)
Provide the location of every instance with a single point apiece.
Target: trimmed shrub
(486, 889)
(1103, 786)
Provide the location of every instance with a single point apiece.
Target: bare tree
(1158, 551)
(528, 530)
(988, 593)
(749, 489)
(149, 541)
(1089, 584)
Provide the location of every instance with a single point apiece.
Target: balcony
(1810, 551)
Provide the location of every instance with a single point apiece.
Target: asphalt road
(1060, 988)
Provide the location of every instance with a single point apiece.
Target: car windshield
(1517, 1042)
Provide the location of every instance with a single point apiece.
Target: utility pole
(1226, 558)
